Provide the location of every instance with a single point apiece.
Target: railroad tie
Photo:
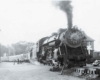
(92, 71)
(80, 71)
(98, 71)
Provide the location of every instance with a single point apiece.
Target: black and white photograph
(49, 39)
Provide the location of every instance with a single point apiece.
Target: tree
(3, 49)
(22, 47)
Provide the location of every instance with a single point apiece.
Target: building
(96, 54)
(90, 42)
(90, 45)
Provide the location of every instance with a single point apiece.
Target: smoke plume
(67, 8)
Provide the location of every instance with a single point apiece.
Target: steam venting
(67, 8)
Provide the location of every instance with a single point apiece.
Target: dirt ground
(26, 71)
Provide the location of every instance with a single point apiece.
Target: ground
(26, 71)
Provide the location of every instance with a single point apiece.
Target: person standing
(18, 61)
(14, 62)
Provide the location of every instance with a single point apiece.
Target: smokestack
(67, 8)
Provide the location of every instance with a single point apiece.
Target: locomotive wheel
(67, 65)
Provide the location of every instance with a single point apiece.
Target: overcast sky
(30, 20)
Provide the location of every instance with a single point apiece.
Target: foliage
(21, 47)
(3, 49)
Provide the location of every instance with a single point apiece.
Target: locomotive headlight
(74, 38)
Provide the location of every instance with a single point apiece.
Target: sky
(30, 20)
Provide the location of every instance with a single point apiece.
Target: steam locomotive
(68, 46)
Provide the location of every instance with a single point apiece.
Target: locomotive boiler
(70, 45)
(74, 47)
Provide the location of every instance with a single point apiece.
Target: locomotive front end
(75, 51)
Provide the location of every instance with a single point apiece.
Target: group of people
(17, 61)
